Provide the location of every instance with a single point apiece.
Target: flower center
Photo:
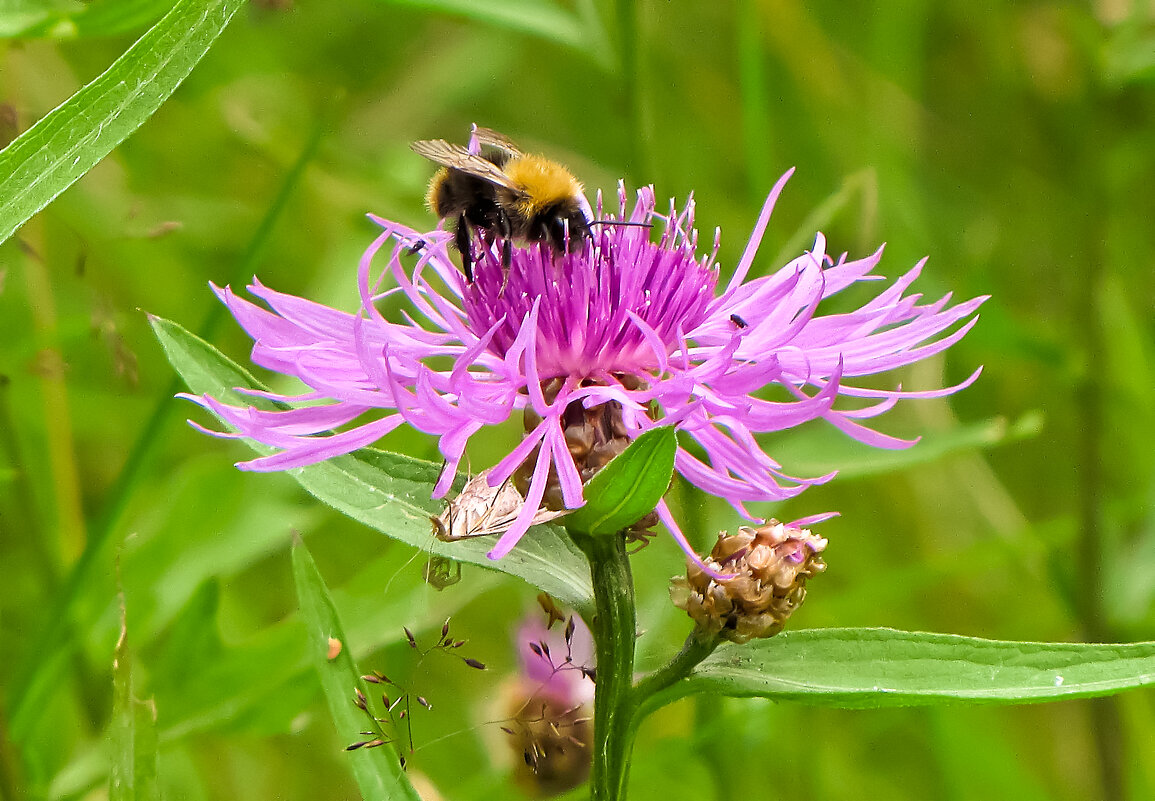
(617, 303)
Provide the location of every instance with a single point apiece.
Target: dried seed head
(549, 606)
(769, 564)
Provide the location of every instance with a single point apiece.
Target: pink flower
(556, 665)
(621, 319)
(547, 707)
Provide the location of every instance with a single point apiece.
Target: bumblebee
(503, 193)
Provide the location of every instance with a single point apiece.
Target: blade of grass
(51, 155)
(37, 674)
(533, 17)
(377, 770)
(133, 772)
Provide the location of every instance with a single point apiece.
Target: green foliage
(132, 773)
(387, 491)
(629, 487)
(70, 18)
(546, 20)
(378, 772)
(817, 450)
(878, 668)
(64, 145)
(1011, 143)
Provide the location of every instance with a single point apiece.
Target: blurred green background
(1012, 142)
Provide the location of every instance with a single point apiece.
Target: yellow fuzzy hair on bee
(503, 194)
(544, 183)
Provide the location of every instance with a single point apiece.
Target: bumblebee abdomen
(453, 192)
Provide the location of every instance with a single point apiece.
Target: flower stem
(697, 647)
(614, 627)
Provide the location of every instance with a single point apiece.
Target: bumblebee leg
(464, 244)
(506, 232)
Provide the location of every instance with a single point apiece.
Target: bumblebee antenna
(624, 223)
(627, 223)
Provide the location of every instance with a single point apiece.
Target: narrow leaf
(630, 486)
(387, 491)
(377, 770)
(544, 20)
(876, 667)
(133, 771)
(64, 145)
(64, 20)
(815, 450)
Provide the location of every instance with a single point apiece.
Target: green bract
(629, 487)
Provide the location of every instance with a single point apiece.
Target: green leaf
(377, 770)
(877, 667)
(71, 18)
(534, 17)
(387, 491)
(64, 145)
(133, 772)
(390, 492)
(630, 486)
(205, 369)
(818, 449)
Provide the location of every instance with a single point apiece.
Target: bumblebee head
(560, 226)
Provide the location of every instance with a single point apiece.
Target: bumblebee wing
(487, 137)
(458, 158)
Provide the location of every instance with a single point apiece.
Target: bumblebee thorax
(545, 183)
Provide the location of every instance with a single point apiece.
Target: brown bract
(550, 739)
(594, 435)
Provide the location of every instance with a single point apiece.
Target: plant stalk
(614, 627)
(697, 647)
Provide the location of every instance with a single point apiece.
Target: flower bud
(767, 567)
